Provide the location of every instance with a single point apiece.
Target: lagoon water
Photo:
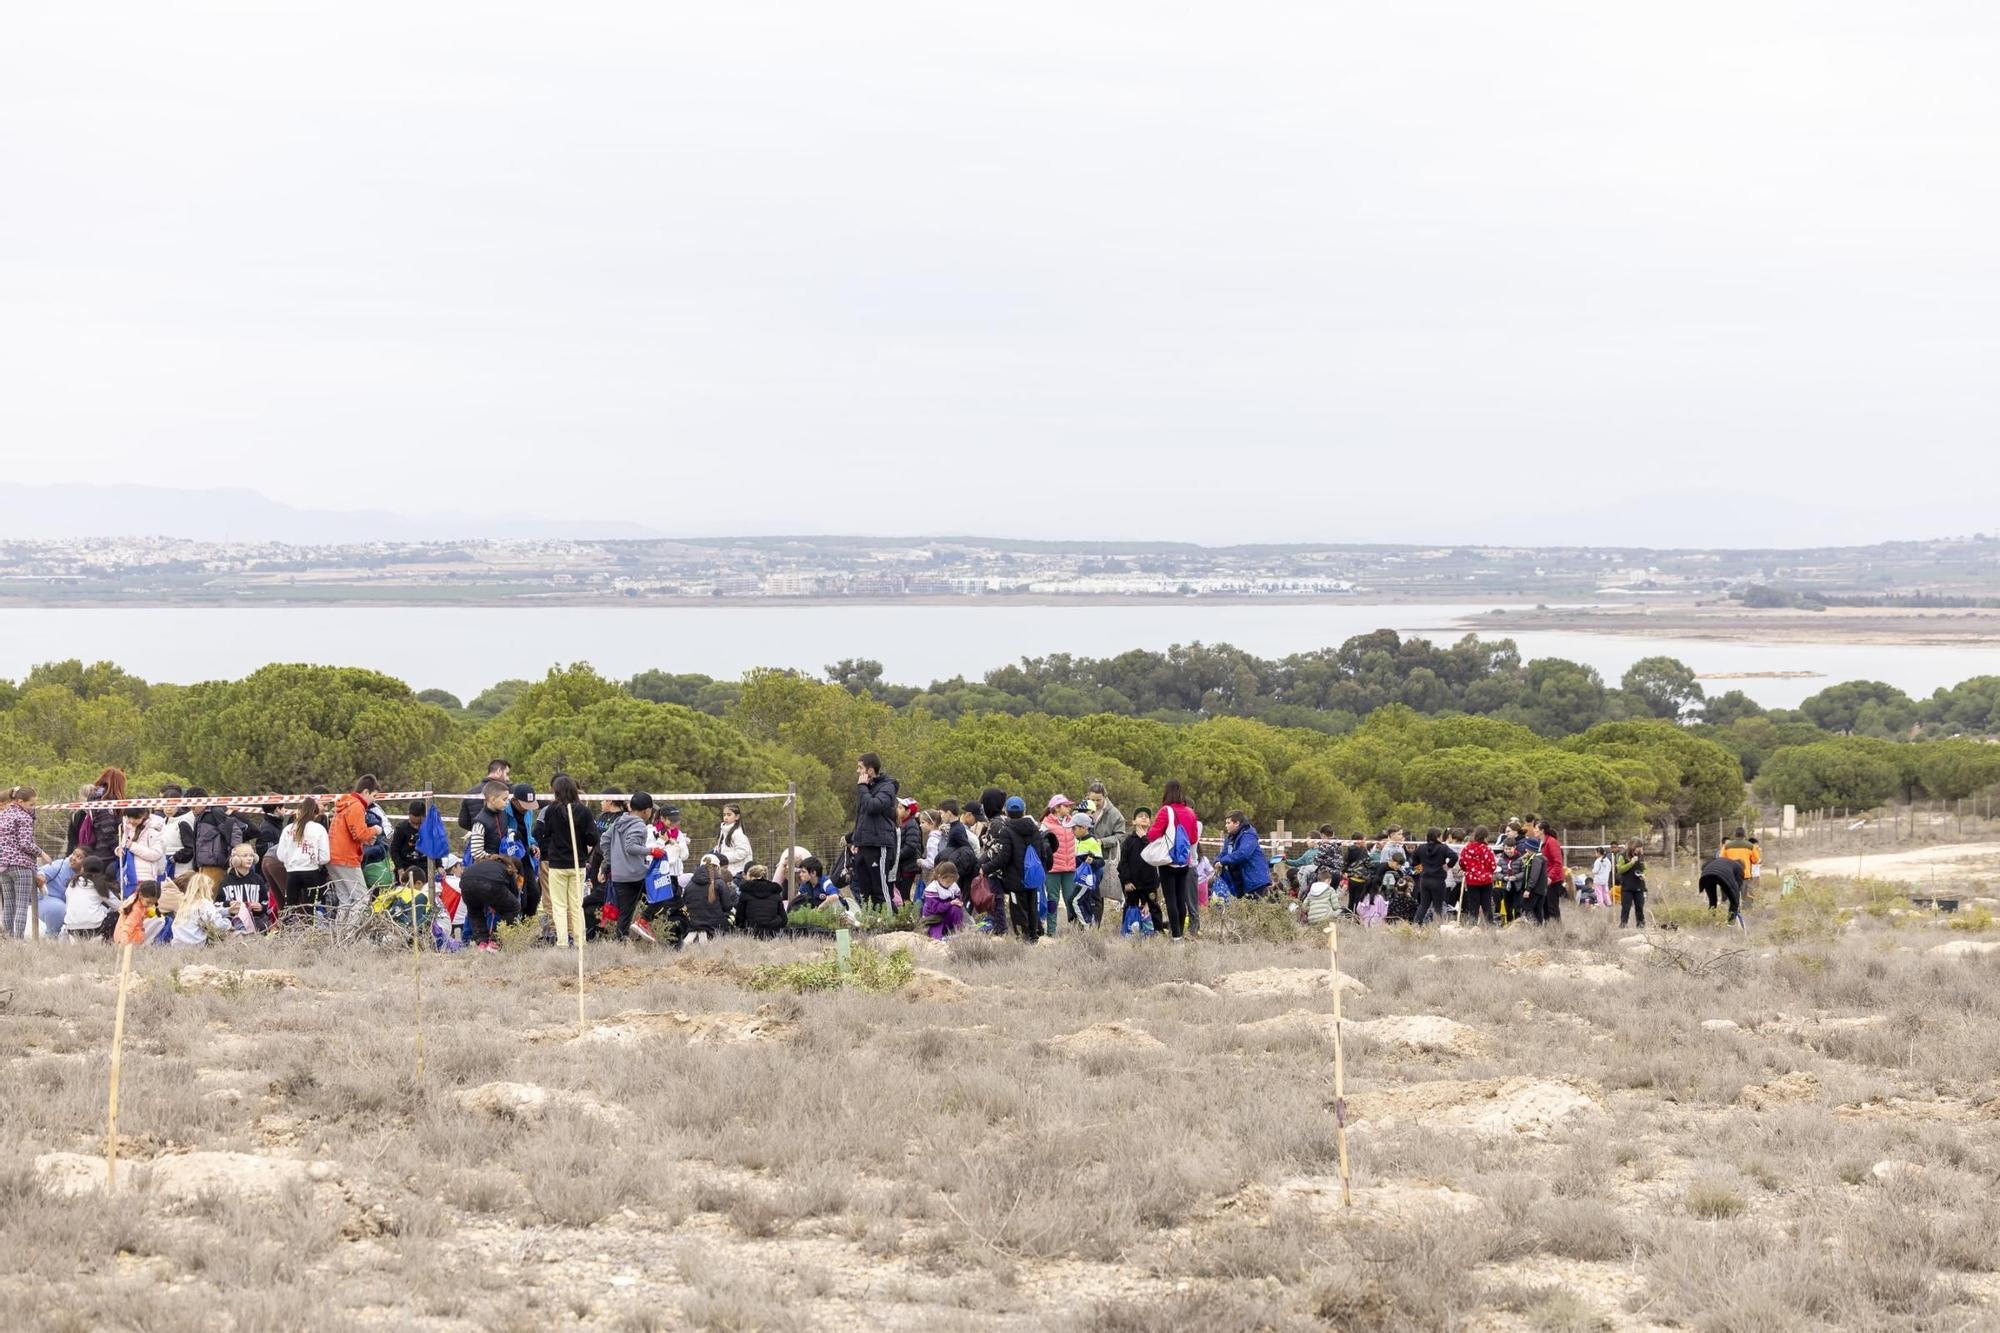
(466, 649)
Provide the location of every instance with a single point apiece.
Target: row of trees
(1669, 752)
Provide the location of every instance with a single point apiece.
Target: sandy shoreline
(1840, 625)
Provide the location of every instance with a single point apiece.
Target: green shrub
(870, 970)
(1976, 918)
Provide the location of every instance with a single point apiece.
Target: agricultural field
(1569, 1128)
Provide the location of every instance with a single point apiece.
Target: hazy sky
(1210, 271)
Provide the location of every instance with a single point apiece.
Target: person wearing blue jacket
(1245, 868)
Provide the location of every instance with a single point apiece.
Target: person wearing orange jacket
(1744, 851)
(348, 836)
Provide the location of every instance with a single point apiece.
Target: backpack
(1033, 874)
(86, 832)
(1535, 874)
(213, 839)
(184, 854)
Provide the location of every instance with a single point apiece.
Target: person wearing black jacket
(403, 853)
(1429, 860)
(1723, 875)
(909, 851)
(1012, 834)
(1359, 871)
(760, 904)
(566, 835)
(1140, 880)
(468, 809)
(957, 846)
(711, 900)
(494, 884)
(877, 833)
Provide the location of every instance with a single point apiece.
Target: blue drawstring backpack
(660, 887)
(432, 840)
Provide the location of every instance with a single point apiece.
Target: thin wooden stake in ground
(417, 957)
(1339, 1071)
(117, 1057)
(581, 928)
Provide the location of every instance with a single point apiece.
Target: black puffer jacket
(875, 813)
(705, 915)
(1012, 836)
(760, 907)
(909, 848)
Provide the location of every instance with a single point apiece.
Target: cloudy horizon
(1566, 274)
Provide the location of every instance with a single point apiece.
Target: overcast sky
(1211, 271)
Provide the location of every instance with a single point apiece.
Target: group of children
(1519, 875)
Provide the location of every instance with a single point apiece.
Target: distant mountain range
(41, 513)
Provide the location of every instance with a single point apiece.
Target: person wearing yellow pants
(566, 833)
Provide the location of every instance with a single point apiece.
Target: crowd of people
(178, 868)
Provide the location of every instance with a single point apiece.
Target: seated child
(1318, 904)
(199, 918)
(242, 891)
(89, 909)
(1374, 909)
(138, 920)
(1397, 888)
(53, 906)
(941, 911)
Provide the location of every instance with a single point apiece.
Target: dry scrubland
(1560, 1130)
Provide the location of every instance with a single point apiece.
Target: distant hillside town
(92, 569)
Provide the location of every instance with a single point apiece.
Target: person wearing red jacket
(1552, 853)
(1476, 863)
(1177, 880)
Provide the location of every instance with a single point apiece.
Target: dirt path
(1949, 866)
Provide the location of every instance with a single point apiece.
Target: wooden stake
(117, 1059)
(417, 960)
(1339, 1070)
(582, 929)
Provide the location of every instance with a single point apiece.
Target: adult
(1744, 851)
(96, 831)
(1138, 880)
(1552, 852)
(1108, 822)
(349, 835)
(54, 878)
(1722, 877)
(1477, 865)
(877, 832)
(1246, 870)
(732, 843)
(568, 835)
(1430, 860)
(1177, 823)
(18, 856)
(1006, 866)
(490, 885)
(304, 851)
(497, 770)
(1060, 842)
(1631, 884)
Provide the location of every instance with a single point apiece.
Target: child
(88, 909)
(243, 890)
(942, 912)
(812, 886)
(1602, 871)
(1089, 871)
(1317, 905)
(137, 921)
(760, 904)
(1396, 887)
(1374, 909)
(199, 918)
(1141, 881)
(1510, 871)
(1632, 885)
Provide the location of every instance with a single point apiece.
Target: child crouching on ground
(87, 908)
(942, 912)
(243, 891)
(1318, 904)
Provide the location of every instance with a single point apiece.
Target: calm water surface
(466, 649)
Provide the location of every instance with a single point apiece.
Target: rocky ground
(1578, 1128)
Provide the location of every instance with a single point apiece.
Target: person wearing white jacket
(141, 833)
(732, 844)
